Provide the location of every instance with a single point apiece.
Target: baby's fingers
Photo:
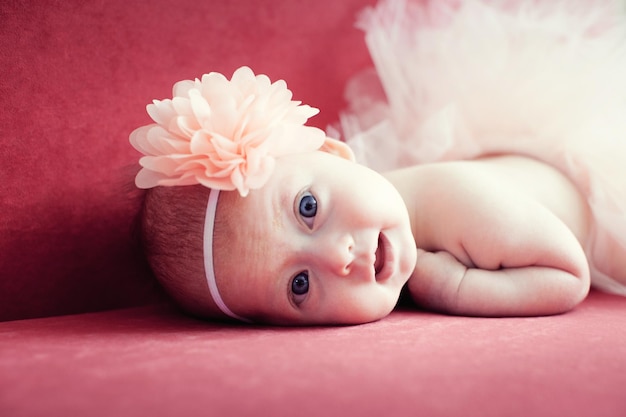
(435, 281)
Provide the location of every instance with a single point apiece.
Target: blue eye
(307, 208)
(308, 205)
(300, 287)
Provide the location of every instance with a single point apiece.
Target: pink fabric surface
(76, 77)
(154, 361)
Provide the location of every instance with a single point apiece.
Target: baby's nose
(338, 255)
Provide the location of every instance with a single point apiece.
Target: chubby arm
(491, 250)
(441, 282)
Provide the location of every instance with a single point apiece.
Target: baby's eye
(307, 208)
(300, 287)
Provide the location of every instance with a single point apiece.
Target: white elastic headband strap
(209, 221)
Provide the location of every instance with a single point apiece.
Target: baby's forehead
(248, 238)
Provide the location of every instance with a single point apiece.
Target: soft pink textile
(155, 362)
(76, 77)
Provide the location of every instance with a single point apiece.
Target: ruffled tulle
(460, 79)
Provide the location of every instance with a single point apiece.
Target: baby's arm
(494, 250)
(443, 283)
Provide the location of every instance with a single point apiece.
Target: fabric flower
(223, 134)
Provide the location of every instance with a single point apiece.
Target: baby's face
(325, 241)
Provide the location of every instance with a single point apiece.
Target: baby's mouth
(379, 262)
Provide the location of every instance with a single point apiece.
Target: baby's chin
(347, 317)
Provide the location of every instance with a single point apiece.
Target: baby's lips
(379, 256)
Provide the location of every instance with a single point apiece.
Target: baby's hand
(436, 280)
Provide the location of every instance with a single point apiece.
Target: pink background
(75, 79)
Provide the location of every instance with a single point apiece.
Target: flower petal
(161, 111)
(223, 133)
(199, 106)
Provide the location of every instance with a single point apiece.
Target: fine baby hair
(172, 225)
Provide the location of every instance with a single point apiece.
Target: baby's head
(318, 240)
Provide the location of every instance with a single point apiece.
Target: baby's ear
(339, 148)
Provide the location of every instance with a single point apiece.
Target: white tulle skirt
(460, 79)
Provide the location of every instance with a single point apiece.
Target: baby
(254, 216)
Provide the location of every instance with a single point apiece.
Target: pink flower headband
(223, 134)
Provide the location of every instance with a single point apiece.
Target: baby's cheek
(349, 301)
